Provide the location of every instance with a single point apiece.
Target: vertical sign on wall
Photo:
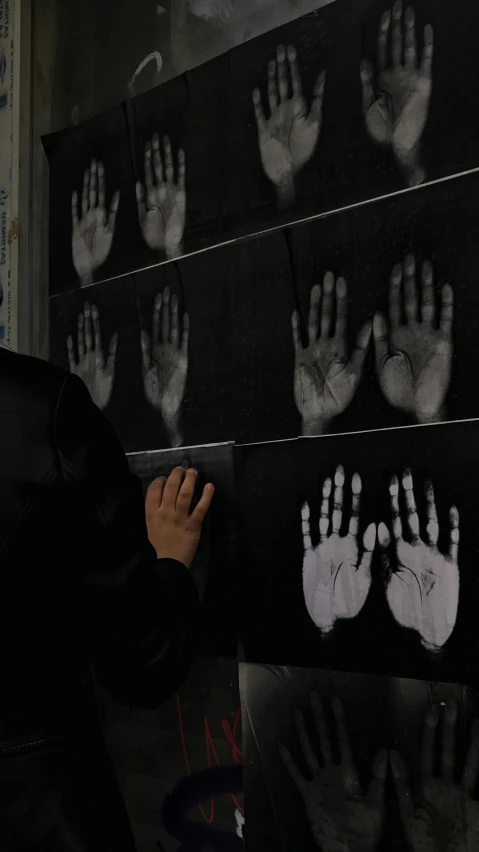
(7, 307)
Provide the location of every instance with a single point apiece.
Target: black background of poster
(381, 712)
(272, 483)
(209, 111)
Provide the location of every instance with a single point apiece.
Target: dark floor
(147, 750)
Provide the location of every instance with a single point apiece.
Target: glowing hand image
(438, 813)
(423, 586)
(288, 138)
(326, 375)
(162, 212)
(91, 366)
(396, 101)
(93, 229)
(165, 363)
(336, 580)
(341, 816)
(414, 354)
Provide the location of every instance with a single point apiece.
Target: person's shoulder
(29, 379)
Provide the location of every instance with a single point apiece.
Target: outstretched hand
(414, 354)
(91, 366)
(288, 138)
(93, 229)
(336, 581)
(326, 375)
(396, 102)
(165, 362)
(423, 584)
(162, 211)
(341, 816)
(437, 813)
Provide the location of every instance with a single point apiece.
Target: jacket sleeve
(139, 614)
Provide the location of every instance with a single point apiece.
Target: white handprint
(423, 588)
(335, 582)
(162, 213)
(91, 366)
(93, 230)
(287, 138)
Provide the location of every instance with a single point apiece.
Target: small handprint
(423, 584)
(97, 373)
(93, 229)
(335, 581)
(288, 138)
(437, 813)
(325, 375)
(341, 816)
(162, 214)
(165, 363)
(396, 106)
(414, 355)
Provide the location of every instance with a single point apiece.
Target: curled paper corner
(156, 57)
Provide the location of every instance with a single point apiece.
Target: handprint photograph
(95, 334)
(340, 761)
(92, 202)
(384, 332)
(228, 375)
(214, 564)
(359, 551)
(350, 103)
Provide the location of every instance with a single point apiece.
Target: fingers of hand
(306, 529)
(381, 340)
(383, 41)
(305, 743)
(327, 304)
(324, 514)
(428, 740)
(338, 499)
(410, 49)
(432, 530)
(93, 190)
(292, 768)
(282, 73)
(165, 316)
(154, 495)
(314, 313)
(341, 307)
(428, 52)
(172, 487)
(356, 488)
(186, 492)
(394, 493)
(413, 518)
(447, 310)
(395, 310)
(272, 86)
(157, 159)
(204, 504)
(397, 34)
(384, 537)
(428, 304)
(454, 546)
(410, 294)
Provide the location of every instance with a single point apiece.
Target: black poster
(351, 102)
(345, 761)
(358, 552)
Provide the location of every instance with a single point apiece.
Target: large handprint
(396, 106)
(437, 813)
(414, 357)
(287, 138)
(165, 363)
(335, 581)
(325, 376)
(162, 214)
(93, 229)
(341, 817)
(97, 373)
(423, 586)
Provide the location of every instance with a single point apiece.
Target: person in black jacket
(86, 582)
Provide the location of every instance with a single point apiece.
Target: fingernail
(191, 470)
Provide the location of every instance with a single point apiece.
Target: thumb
(381, 340)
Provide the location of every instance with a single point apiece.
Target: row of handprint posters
(266, 269)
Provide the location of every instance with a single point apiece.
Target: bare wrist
(174, 251)
(315, 427)
(410, 166)
(286, 193)
(173, 429)
(86, 280)
(439, 417)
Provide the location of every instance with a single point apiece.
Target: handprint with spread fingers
(396, 103)
(288, 138)
(91, 366)
(423, 584)
(162, 211)
(165, 362)
(438, 813)
(326, 375)
(414, 354)
(93, 228)
(336, 581)
(341, 816)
